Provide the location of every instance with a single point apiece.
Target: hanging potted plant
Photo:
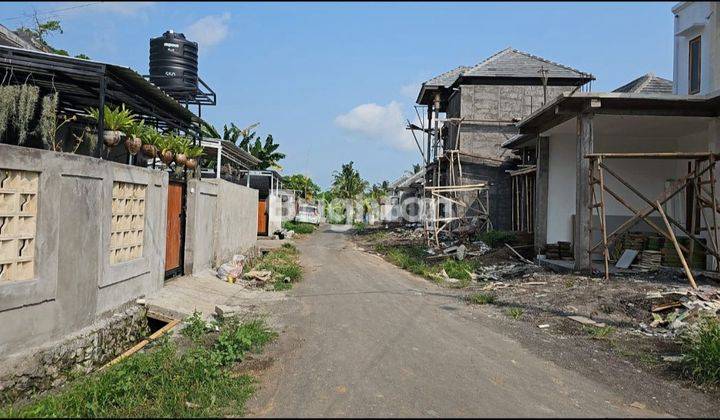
(192, 154)
(182, 145)
(166, 145)
(149, 138)
(116, 120)
(133, 131)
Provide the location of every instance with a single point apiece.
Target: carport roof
(567, 106)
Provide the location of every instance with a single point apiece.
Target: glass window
(694, 66)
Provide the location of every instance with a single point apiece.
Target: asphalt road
(368, 340)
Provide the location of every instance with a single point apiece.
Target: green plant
(359, 226)
(194, 327)
(599, 333)
(481, 298)
(496, 238)
(514, 313)
(163, 381)
(701, 351)
(298, 227)
(26, 103)
(8, 105)
(48, 120)
(195, 152)
(136, 128)
(458, 269)
(115, 119)
(347, 183)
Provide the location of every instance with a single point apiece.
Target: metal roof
(518, 64)
(231, 151)
(78, 82)
(647, 83)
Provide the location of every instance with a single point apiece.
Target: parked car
(308, 214)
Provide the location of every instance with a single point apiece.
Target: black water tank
(174, 63)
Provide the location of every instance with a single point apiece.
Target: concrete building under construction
(462, 148)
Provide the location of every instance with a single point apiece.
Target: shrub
(298, 227)
(701, 351)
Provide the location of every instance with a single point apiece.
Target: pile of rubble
(673, 311)
(283, 234)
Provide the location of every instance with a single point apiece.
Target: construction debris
(675, 310)
(258, 275)
(586, 321)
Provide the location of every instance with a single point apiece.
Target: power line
(48, 12)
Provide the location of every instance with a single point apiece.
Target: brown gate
(262, 217)
(175, 230)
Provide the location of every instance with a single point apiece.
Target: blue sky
(335, 82)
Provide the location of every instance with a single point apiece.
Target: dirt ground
(614, 354)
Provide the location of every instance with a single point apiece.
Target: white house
(697, 47)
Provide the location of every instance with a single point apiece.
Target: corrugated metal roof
(648, 83)
(514, 63)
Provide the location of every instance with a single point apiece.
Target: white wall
(693, 19)
(621, 134)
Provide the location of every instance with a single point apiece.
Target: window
(694, 66)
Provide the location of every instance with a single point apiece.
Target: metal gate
(175, 237)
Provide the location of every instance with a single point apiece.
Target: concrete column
(541, 191)
(583, 195)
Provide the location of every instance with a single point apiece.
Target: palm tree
(347, 183)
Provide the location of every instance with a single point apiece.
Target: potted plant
(192, 154)
(116, 120)
(166, 145)
(149, 138)
(133, 132)
(182, 146)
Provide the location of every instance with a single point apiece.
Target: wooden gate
(262, 217)
(175, 230)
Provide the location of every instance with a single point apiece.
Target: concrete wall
(221, 221)
(74, 283)
(275, 218)
(697, 18)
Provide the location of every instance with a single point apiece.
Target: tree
(347, 183)
(303, 184)
(267, 153)
(42, 30)
(416, 168)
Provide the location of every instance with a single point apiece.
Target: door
(262, 217)
(174, 237)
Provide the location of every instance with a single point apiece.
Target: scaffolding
(470, 201)
(700, 181)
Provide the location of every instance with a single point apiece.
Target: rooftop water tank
(174, 63)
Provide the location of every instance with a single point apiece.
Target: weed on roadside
(162, 382)
(283, 262)
(194, 327)
(514, 313)
(299, 227)
(481, 298)
(701, 352)
(599, 333)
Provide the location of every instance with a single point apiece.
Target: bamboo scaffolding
(695, 179)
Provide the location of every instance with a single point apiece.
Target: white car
(308, 214)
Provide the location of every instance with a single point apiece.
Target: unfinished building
(462, 150)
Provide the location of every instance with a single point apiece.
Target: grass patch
(299, 227)
(195, 327)
(481, 299)
(164, 381)
(283, 262)
(514, 313)
(599, 333)
(458, 269)
(359, 227)
(701, 352)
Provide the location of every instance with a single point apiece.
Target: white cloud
(209, 30)
(378, 123)
(410, 90)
